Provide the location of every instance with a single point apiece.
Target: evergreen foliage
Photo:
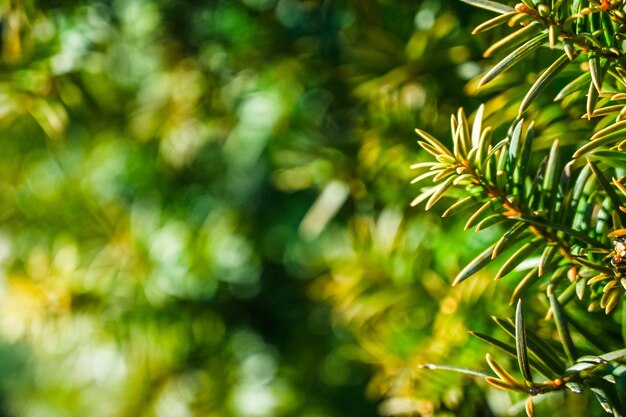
(204, 208)
(559, 208)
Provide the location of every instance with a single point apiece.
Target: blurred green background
(205, 209)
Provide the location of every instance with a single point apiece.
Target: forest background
(204, 207)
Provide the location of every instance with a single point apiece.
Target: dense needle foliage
(205, 208)
(560, 208)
